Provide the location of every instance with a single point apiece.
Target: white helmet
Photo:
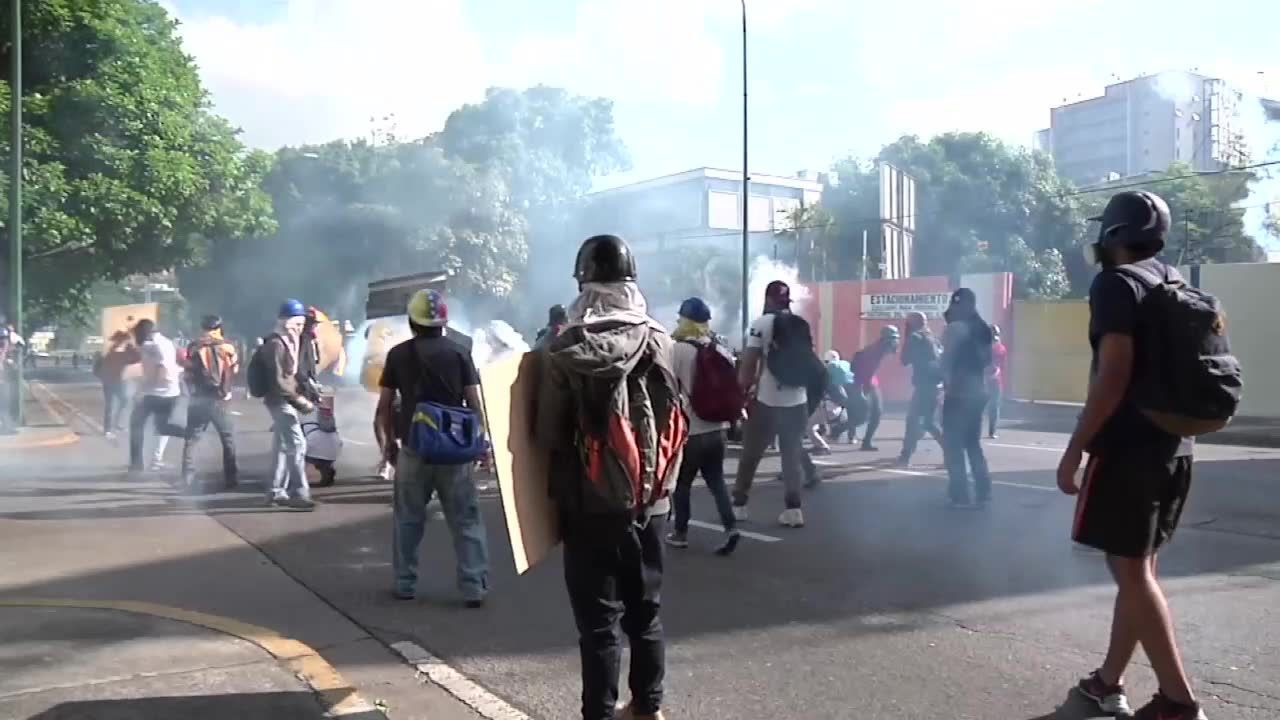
(830, 356)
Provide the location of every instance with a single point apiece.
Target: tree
(126, 169)
(547, 144)
(981, 204)
(810, 233)
(1208, 214)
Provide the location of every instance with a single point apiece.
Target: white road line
(919, 473)
(1046, 448)
(745, 533)
(485, 703)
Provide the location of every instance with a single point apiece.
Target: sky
(828, 78)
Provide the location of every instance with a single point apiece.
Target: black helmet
(1134, 217)
(604, 258)
(210, 323)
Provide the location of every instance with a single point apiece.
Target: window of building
(722, 210)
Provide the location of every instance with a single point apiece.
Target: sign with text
(895, 306)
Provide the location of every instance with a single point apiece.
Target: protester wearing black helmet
(1138, 476)
(612, 363)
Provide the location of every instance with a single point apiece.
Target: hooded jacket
(213, 351)
(281, 352)
(609, 335)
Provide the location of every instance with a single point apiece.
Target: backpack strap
(1149, 279)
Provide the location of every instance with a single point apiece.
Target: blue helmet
(292, 308)
(696, 310)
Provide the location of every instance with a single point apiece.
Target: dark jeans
(875, 405)
(703, 453)
(921, 418)
(961, 439)
(613, 571)
(115, 396)
(764, 423)
(201, 412)
(146, 407)
(993, 408)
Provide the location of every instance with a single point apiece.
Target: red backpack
(716, 395)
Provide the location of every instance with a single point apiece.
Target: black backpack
(1189, 382)
(792, 360)
(260, 370)
(975, 356)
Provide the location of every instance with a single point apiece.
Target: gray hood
(608, 331)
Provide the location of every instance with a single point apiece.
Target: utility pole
(746, 196)
(15, 199)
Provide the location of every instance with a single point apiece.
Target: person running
(160, 388)
(995, 383)
(212, 365)
(1138, 476)
(866, 364)
(110, 369)
(286, 403)
(706, 447)
(432, 368)
(611, 520)
(779, 409)
(966, 363)
(920, 353)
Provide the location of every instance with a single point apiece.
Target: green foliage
(1208, 214)
(981, 205)
(126, 169)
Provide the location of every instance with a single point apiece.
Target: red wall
(834, 310)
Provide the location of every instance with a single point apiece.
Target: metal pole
(15, 198)
(746, 186)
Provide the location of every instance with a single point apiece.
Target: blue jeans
(115, 396)
(702, 453)
(961, 439)
(416, 481)
(289, 448)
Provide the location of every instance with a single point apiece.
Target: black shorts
(1130, 506)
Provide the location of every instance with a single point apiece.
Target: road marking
(1046, 448)
(336, 694)
(920, 473)
(744, 533)
(356, 442)
(485, 703)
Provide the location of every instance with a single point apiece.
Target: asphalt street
(887, 605)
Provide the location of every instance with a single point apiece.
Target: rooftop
(711, 173)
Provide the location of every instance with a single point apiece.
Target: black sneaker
(678, 540)
(1110, 699)
(867, 447)
(1162, 708)
(474, 603)
(731, 540)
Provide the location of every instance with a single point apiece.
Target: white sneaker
(157, 466)
(740, 513)
(793, 518)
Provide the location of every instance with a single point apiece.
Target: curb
(334, 693)
(51, 402)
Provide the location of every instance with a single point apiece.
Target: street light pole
(15, 198)
(746, 185)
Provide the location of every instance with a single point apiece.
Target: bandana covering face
(687, 329)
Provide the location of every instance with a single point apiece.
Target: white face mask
(1090, 252)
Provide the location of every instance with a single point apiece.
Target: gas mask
(1096, 254)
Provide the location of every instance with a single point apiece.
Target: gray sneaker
(300, 503)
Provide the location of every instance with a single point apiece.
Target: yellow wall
(1050, 354)
(1250, 294)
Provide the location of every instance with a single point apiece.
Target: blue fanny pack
(445, 435)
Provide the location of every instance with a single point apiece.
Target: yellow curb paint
(62, 440)
(335, 693)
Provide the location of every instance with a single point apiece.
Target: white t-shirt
(161, 376)
(771, 392)
(684, 361)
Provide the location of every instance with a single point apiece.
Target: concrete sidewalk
(45, 428)
(121, 598)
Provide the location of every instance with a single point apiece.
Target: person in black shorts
(1136, 481)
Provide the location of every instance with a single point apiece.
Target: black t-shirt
(427, 369)
(1113, 308)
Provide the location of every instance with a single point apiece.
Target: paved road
(887, 605)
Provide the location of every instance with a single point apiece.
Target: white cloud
(323, 68)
